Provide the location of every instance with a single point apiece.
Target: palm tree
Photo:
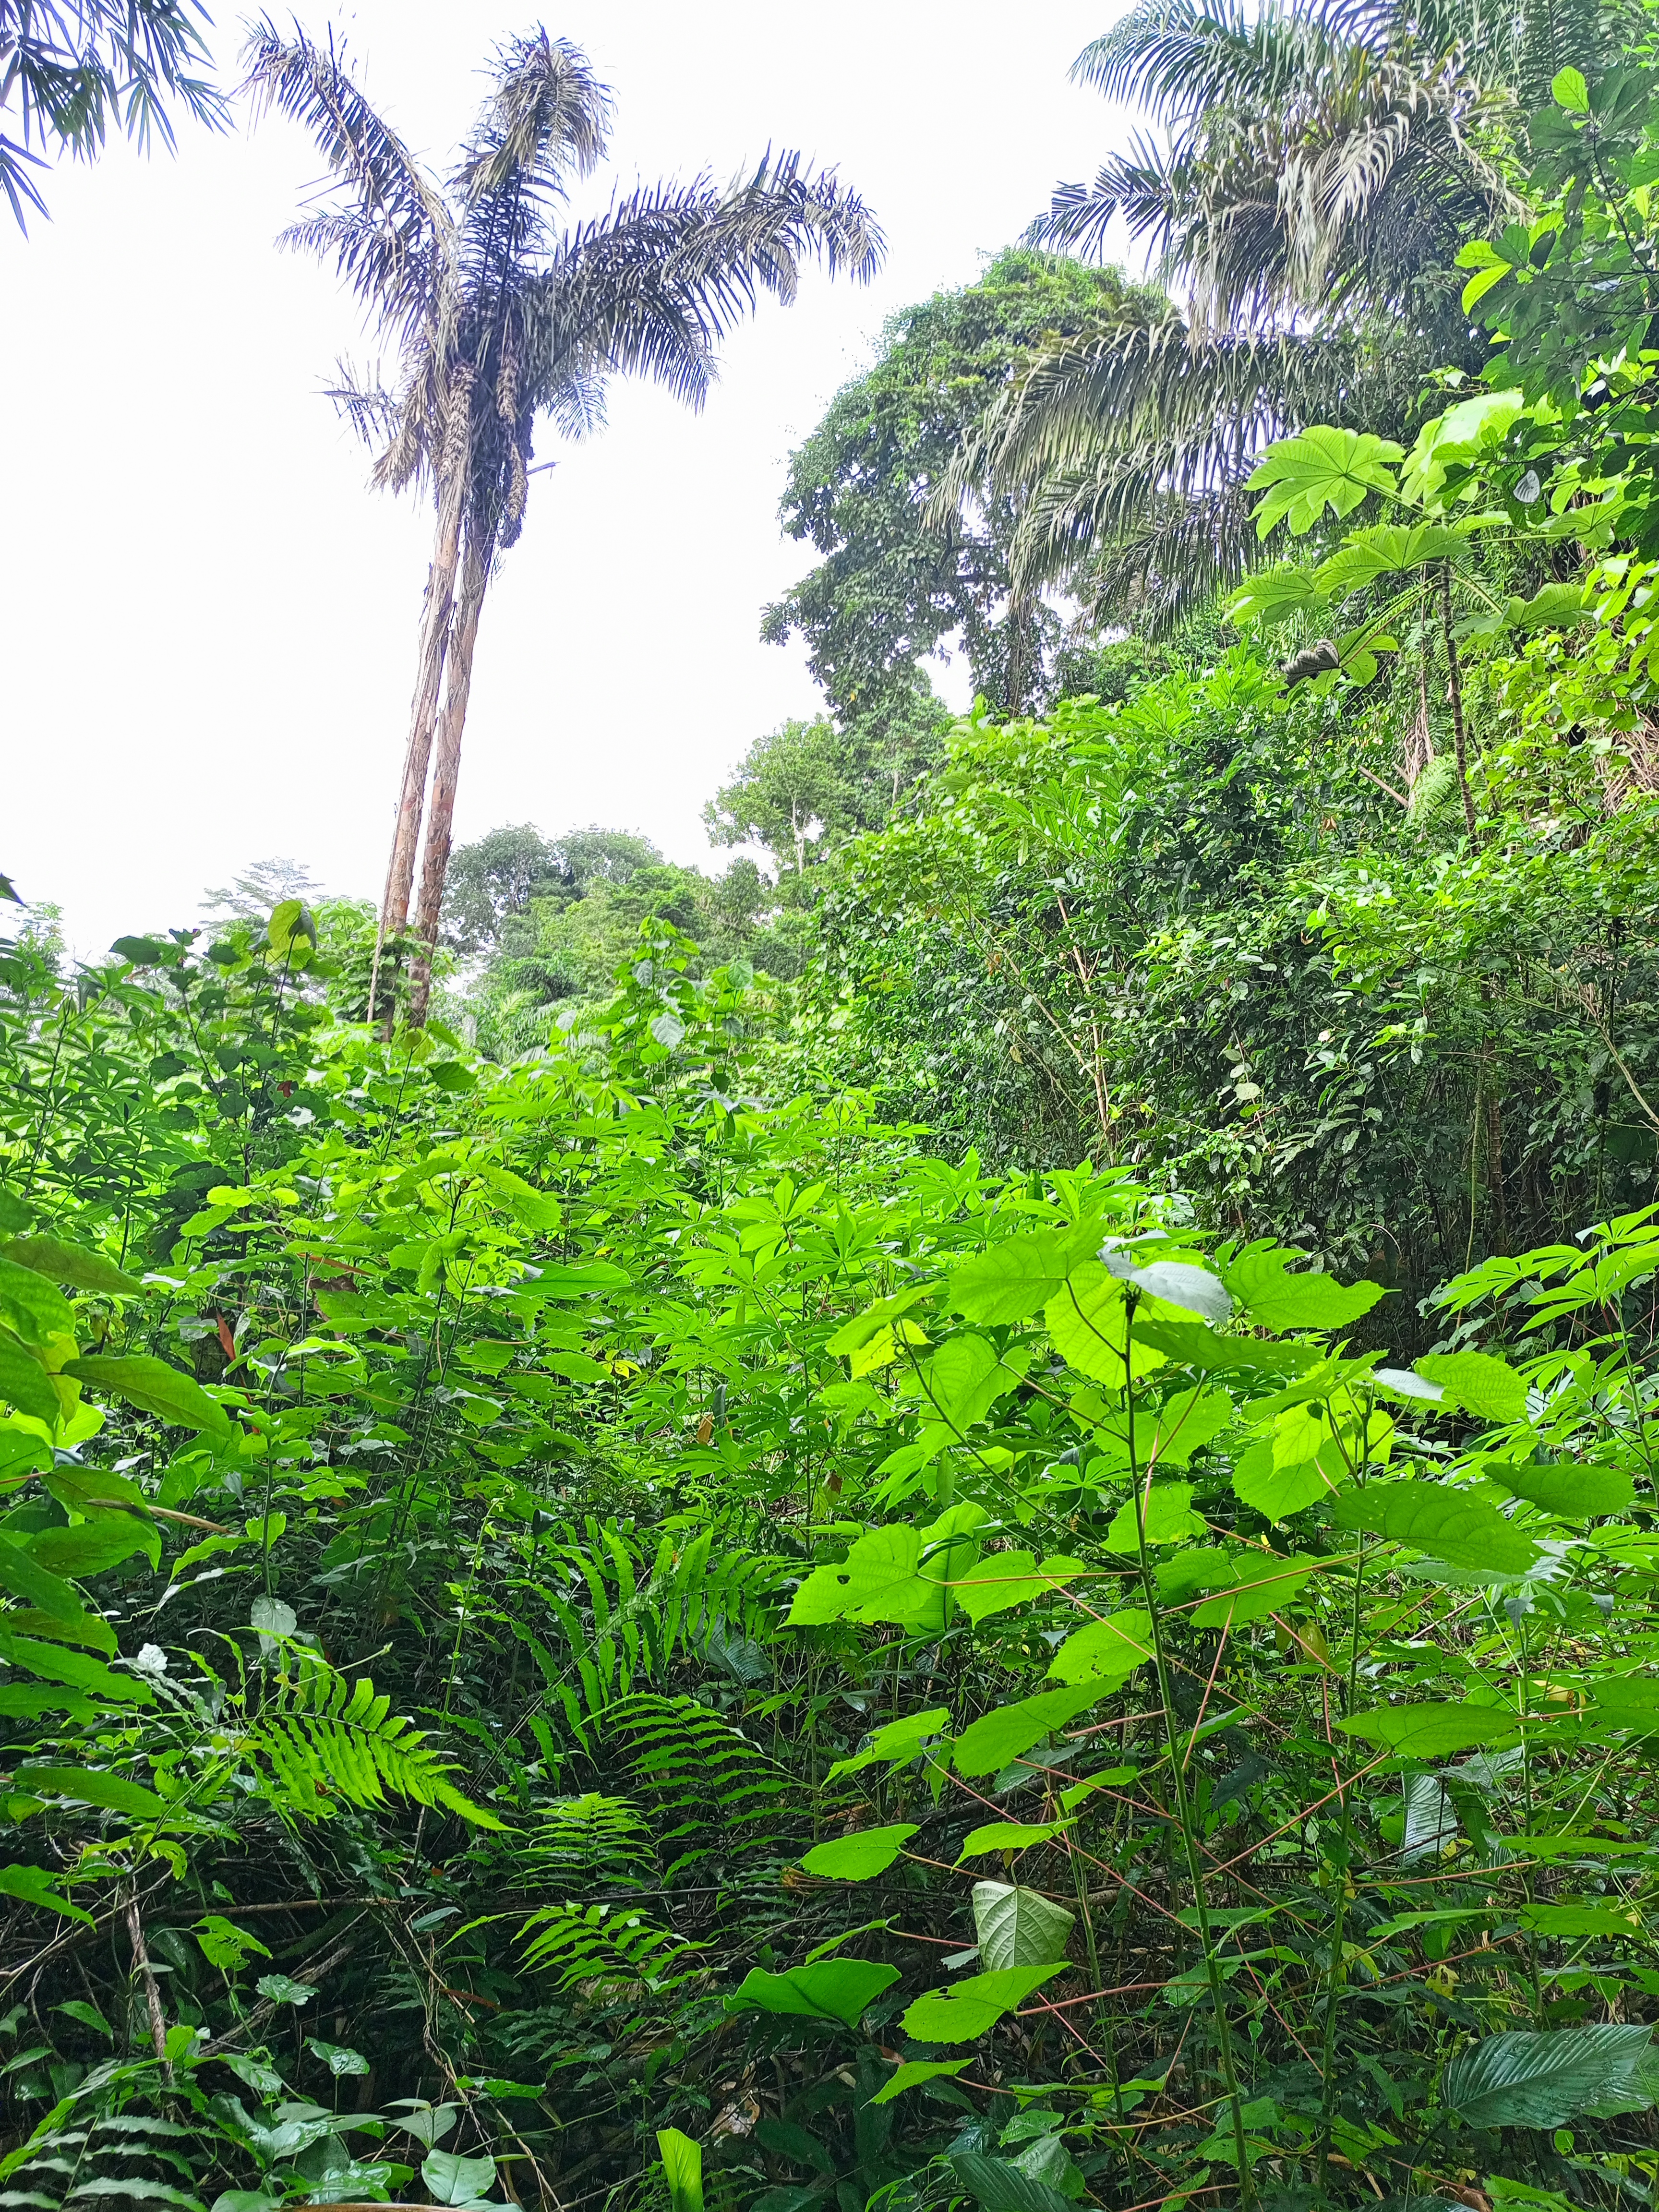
(502, 318)
(1322, 165)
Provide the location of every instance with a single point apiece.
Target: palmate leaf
(1299, 477)
(1387, 550)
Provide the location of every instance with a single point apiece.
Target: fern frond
(322, 1739)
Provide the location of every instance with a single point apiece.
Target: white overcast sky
(210, 620)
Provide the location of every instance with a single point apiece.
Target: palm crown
(505, 312)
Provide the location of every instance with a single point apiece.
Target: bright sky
(210, 619)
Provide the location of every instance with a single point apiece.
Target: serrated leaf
(1487, 1387)
(1011, 1835)
(897, 1744)
(1575, 1492)
(1002, 1579)
(1009, 1281)
(1430, 1730)
(1274, 1298)
(858, 1858)
(1104, 1653)
(1262, 1584)
(1018, 1927)
(1442, 1524)
(877, 1581)
(999, 2185)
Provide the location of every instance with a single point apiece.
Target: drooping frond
(321, 1740)
(547, 122)
(396, 245)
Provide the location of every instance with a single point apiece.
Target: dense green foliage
(970, 1522)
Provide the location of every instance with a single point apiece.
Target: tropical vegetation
(965, 1518)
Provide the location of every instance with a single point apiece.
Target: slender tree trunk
(1455, 693)
(435, 613)
(446, 772)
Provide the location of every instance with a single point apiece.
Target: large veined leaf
(1442, 1523)
(1572, 1492)
(31, 1306)
(1299, 477)
(23, 1575)
(914, 2072)
(1088, 1320)
(579, 1279)
(1275, 1488)
(897, 1744)
(1194, 1345)
(1011, 1835)
(1166, 1435)
(1262, 1583)
(1010, 1578)
(25, 1384)
(1018, 1927)
(999, 2185)
(102, 1541)
(682, 2169)
(457, 2181)
(969, 2008)
(52, 1663)
(1274, 1298)
(1385, 549)
(1179, 1283)
(1163, 1513)
(965, 1378)
(854, 1335)
(1011, 1280)
(1274, 595)
(1430, 1730)
(858, 1858)
(991, 1743)
(879, 1580)
(155, 1387)
(1487, 1387)
(1105, 1653)
(69, 1263)
(829, 1989)
(1527, 2080)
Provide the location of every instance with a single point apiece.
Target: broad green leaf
(102, 1541)
(1274, 1298)
(291, 925)
(1299, 477)
(282, 1988)
(339, 2058)
(23, 1575)
(1389, 548)
(1569, 90)
(1011, 1835)
(69, 1263)
(1018, 1927)
(223, 1943)
(858, 1857)
(1087, 1319)
(876, 1581)
(898, 1744)
(1010, 1281)
(1568, 1921)
(1483, 1386)
(155, 1387)
(33, 1307)
(55, 1664)
(914, 2072)
(25, 1384)
(997, 2185)
(1263, 1584)
(23, 1701)
(1432, 1731)
(682, 2169)
(989, 1745)
(1168, 1435)
(1166, 1512)
(1445, 1524)
(1275, 595)
(963, 1380)
(1262, 1483)
(1191, 1344)
(1002, 1579)
(969, 2008)
(1528, 2080)
(456, 2181)
(858, 1331)
(1105, 1652)
(92, 1786)
(1572, 1492)
(832, 1988)
(33, 1886)
(583, 1279)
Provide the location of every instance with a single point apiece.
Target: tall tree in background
(1320, 165)
(75, 66)
(502, 319)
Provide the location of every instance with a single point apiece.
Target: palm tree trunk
(435, 613)
(446, 773)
